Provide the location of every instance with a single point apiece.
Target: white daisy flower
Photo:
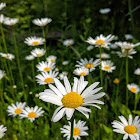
(2, 5)
(37, 52)
(51, 58)
(103, 56)
(130, 128)
(81, 71)
(2, 18)
(2, 130)
(79, 129)
(45, 66)
(116, 37)
(127, 46)
(137, 71)
(16, 109)
(30, 57)
(63, 74)
(2, 74)
(7, 56)
(125, 53)
(107, 66)
(42, 22)
(11, 21)
(105, 10)
(101, 41)
(128, 36)
(133, 88)
(73, 98)
(34, 41)
(65, 63)
(90, 47)
(31, 113)
(68, 42)
(113, 46)
(89, 64)
(46, 77)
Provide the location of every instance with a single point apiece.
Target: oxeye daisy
(51, 58)
(89, 64)
(107, 66)
(32, 113)
(2, 5)
(65, 63)
(7, 56)
(137, 71)
(90, 47)
(37, 52)
(63, 74)
(81, 71)
(128, 36)
(11, 21)
(16, 109)
(105, 10)
(2, 130)
(42, 22)
(130, 128)
(79, 129)
(103, 55)
(68, 42)
(45, 66)
(2, 74)
(46, 77)
(34, 41)
(133, 88)
(2, 18)
(101, 41)
(30, 57)
(113, 46)
(73, 98)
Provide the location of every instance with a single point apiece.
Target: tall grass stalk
(127, 98)
(101, 74)
(136, 101)
(33, 72)
(72, 125)
(44, 36)
(75, 51)
(1, 92)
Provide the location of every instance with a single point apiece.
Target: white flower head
(113, 46)
(128, 36)
(130, 128)
(16, 109)
(81, 71)
(34, 41)
(68, 42)
(7, 56)
(30, 57)
(107, 66)
(103, 56)
(42, 22)
(63, 74)
(90, 47)
(137, 71)
(88, 64)
(79, 129)
(2, 18)
(32, 113)
(37, 52)
(105, 10)
(2, 74)
(11, 21)
(70, 98)
(51, 58)
(46, 77)
(101, 41)
(45, 66)
(2, 130)
(2, 5)
(65, 63)
(133, 88)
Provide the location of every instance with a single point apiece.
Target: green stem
(136, 101)
(44, 36)
(101, 74)
(33, 72)
(72, 124)
(1, 92)
(127, 98)
(76, 52)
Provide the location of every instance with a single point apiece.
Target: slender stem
(33, 72)
(1, 92)
(76, 52)
(127, 98)
(136, 101)
(101, 74)
(44, 36)
(72, 124)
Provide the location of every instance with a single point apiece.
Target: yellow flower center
(0, 133)
(12, 23)
(32, 115)
(18, 110)
(35, 43)
(130, 129)
(76, 131)
(106, 67)
(116, 81)
(52, 60)
(48, 80)
(72, 100)
(133, 89)
(89, 65)
(104, 57)
(39, 54)
(82, 73)
(6, 56)
(47, 69)
(69, 43)
(100, 42)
